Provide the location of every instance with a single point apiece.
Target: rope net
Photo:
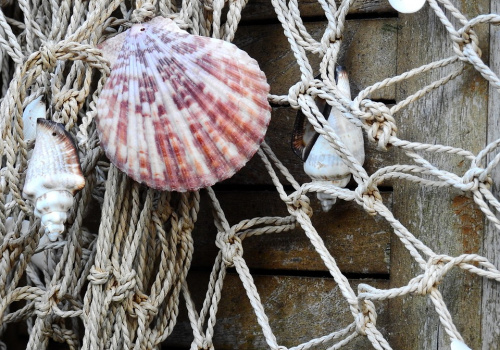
(116, 284)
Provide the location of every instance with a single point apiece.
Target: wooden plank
(299, 309)
(358, 241)
(263, 9)
(490, 330)
(362, 39)
(278, 138)
(444, 220)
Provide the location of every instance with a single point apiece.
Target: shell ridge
(189, 67)
(175, 128)
(153, 123)
(150, 125)
(186, 87)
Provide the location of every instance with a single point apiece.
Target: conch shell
(322, 163)
(180, 112)
(53, 177)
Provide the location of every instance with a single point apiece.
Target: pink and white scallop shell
(180, 112)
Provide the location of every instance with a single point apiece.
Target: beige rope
(124, 282)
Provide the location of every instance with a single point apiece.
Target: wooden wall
(299, 296)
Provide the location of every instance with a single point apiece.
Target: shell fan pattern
(54, 175)
(180, 112)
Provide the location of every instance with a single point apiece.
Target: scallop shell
(34, 110)
(180, 112)
(322, 163)
(53, 177)
(407, 6)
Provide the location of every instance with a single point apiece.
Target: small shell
(180, 112)
(34, 110)
(53, 177)
(458, 345)
(407, 6)
(322, 163)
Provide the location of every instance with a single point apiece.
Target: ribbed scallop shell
(53, 177)
(180, 112)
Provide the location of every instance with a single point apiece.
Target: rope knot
(230, 246)
(368, 197)
(144, 13)
(381, 122)
(98, 276)
(432, 275)
(48, 55)
(125, 285)
(45, 303)
(294, 93)
(298, 202)
(474, 176)
(367, 316)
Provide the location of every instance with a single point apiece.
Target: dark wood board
(278, 137)
(368, 52)
(299, 309)
(263, 9)
(445, 220)
(359, 242)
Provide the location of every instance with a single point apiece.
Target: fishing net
(117, 283)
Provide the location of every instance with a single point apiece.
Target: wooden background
(299, 296)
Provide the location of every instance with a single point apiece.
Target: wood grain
(369, 53)
(299, 309)
(278, 138)
(490, 313)
(359, 242)
(263, 9)
(445, 220)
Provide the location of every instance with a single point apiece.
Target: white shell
(180, 112)
(34, 110)
(323, 164)
(458, 345)
(407, 6)
(53, 176)
(40, 259)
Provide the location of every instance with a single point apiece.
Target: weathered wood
(278, 138)
(362, 40)
(443, 219)
(490, 313)
(299, 309)
(263, 9)
(358, 241)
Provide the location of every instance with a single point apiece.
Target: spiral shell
(322, 163)
(180, 112)
(53, 177)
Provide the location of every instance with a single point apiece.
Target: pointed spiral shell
(53, 177)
